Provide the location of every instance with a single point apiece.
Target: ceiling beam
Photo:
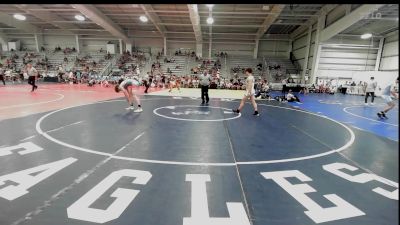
(148, 10)
(99, 18)
(269, 20)
(65, 21)
(53, 10)
(214, 25)
(228, 12)
(324, 10)
(46, 16)
(195, 19)
(21, 25)
(348, 20)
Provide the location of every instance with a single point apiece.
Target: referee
(32, 73)
(205, 79)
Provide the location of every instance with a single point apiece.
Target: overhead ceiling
(379, 23)
(239, 22)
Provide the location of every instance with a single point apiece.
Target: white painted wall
(355, 55)
(28, 42)
(231, 49)
(50, 42)
(90, 45)
(359, 64)
(390, 53)
(300, 48)
(174, 46)
(155, 44)
(273, 48)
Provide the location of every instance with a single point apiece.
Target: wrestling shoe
(235, 110)
(256, 113)
(379, 115)
(384, 115)
(138, 110)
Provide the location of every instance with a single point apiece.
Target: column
(379, 55)
(317, 48)
(38, 41)
(199, 50)
(121, 48)
(305, 64)
(165, 46)
(128, 47)
(290, 48)
(209, 48)
(78, 44)
(255, 54)
(3, 42)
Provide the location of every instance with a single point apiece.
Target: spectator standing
(370, 90)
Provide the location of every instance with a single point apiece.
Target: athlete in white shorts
(126, 87)
(388, 92)
(249, 94)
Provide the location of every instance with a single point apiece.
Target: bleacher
(97, 57)
(193, 63)
(287, 69)
(55, 59)
(180, 61)
(243, 62)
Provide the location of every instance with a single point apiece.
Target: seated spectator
(196, 82)
(91, 82)
(290, 97)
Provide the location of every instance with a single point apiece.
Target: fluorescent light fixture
(143, 19)
(210, 20)
(19, 17)
(366, 36)
(80, 17)
(210, 6)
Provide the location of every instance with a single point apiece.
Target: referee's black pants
(147, 84)
(2, 79)
(367, 95)
(31, 81)
(204, 93)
